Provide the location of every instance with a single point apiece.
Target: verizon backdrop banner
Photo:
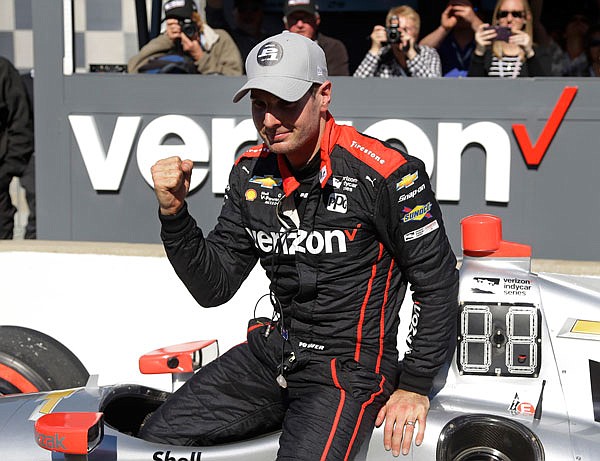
(524, 150)
(105, 165)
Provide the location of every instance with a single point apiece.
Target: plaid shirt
(425, 64)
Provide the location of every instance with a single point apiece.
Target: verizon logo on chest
(300, 241)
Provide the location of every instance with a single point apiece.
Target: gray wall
(554, 207)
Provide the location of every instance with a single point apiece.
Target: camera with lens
(394, 35)
(189, 28)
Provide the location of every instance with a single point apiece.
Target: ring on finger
(409, 423)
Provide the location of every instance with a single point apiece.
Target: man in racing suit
(341, 222)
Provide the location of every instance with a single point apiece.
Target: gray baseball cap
(285, 65)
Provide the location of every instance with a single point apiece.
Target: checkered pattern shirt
(425, 64)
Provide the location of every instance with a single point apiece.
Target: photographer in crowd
(454, 39)
(188, 46)
(394, 51)
(506, 49)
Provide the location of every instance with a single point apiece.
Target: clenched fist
(171, 177)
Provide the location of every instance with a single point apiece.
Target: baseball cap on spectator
(285, 65)
(291, 6)
(180, 9)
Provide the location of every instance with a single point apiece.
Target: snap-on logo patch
(269, 54)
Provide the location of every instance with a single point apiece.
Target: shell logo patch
(266, 181)
(250, 195)
(417, 213)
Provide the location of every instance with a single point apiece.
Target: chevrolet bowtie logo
(407, 180)
(266, 181)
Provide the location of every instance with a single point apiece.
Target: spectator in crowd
(575, 62)
(592, 51)
(302, 17)
(188, 45)
(546, 44)
(567, 51)
(28, 177)
(248, 18)
(506, 49)
(454, 38)
(16, 139)
(394, 51)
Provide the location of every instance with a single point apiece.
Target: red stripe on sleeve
(382, 318)
(364, 305)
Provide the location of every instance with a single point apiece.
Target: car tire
(31, 361)
(479, 437)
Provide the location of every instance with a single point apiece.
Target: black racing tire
(31, 361)
(479, 437)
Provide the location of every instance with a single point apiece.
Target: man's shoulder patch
(254, 152)
(371, 151)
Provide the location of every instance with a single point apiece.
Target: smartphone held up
(502, 32)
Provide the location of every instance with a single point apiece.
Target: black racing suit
(339, 247)
(16, 139)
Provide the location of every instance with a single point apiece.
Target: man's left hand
(403, 412)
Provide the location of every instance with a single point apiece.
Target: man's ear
(325, 93)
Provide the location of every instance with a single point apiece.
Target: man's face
(288, 128)
(303, 23)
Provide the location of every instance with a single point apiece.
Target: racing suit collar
(329, 139)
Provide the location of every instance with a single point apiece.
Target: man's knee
(156, 429)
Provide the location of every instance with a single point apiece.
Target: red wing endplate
(180, 358)
(70, 433)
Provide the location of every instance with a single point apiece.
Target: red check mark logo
(534, 154)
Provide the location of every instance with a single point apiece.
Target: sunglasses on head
(515, 14)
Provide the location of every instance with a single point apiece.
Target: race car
(523, 385)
